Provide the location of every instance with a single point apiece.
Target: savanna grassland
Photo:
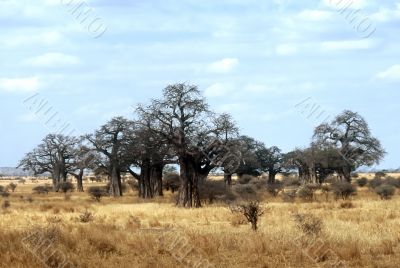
(74, 230)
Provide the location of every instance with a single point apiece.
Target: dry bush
(245, 179)
(12, 186)
(251, 211)
(97, 192)
(346, 205)
(307, 192)
(6, 204)
(308, 224)
(86, 217)
(275, 188)
(289, 196)
(385, 191)
(395, 182)
(375, 182)
(245, 192)
(66, 187)
(291, 182)
(42, 189)
(343, 190)
(212, 190)
(171, 182)
(362, 182)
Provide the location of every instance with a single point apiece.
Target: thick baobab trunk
(79, 181)
(271, 177)
(228, 179)
(145, 189)
(156, 178)
(115, 181)
(189, 191)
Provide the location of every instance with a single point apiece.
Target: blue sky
(253, 59)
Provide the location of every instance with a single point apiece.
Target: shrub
(42, 189)
(385, 191)
(171, 181)
(307, 192)
(393, 181)
(251, 211)
(133, 184)
(12, 186)
(6, 204)
(97, 192)
(343, 190)
(275, 188)
(375, 182)
(326, 189)
(380, 174)
(308, 224)
(289, 196)
(215, 191)
(362, 182)
(245, 191)
(289, 181)
(347, 205)
(66, 187)
(355, 175)
(86, 216)
(245, 179)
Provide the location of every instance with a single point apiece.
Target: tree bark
(228, 179)
(115, 181)
(189, 191)
(145, 188)
(271, 177)
(79, 180)
(156, 177)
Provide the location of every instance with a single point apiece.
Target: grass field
(128, 232)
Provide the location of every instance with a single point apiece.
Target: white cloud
(286, 49)
(218, 90)
(17, 85)
(224, 66)
(315, 15)
(348, 45)
(30, 117)
(340, 4)
(48, 38)
(257, 88)
(386, 14)
(52, 60)
(392, 73)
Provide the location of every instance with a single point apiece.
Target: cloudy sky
(269, 63)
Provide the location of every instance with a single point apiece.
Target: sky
(280, 67)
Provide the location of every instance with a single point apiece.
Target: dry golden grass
(129, 232)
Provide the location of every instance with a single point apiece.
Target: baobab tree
(350, 135)
(54, 155)
(270, 160)
(184, 120)
(149, 152)
(110, 142)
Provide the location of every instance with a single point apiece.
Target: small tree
(385, 191)
(252, 211)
